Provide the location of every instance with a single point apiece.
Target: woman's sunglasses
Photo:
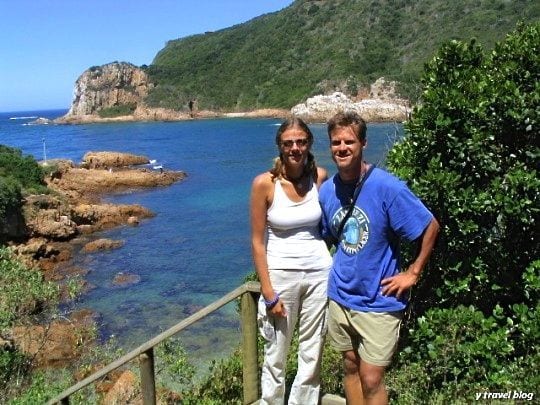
(290, 142)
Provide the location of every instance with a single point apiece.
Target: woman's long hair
(310, 168)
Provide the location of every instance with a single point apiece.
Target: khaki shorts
(373, 335)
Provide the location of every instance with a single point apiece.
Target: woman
(292, 263)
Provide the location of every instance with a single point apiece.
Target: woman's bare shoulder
(263, 181)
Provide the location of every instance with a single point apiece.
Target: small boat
(159, 167)
(152, 162)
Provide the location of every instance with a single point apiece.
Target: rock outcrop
(382, 105)
(55, 344)
(50, 221)
(105, 160)
(96, 217)
(110, 85)
(102, 244)
(105, 172)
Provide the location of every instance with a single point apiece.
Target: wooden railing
(248, 293)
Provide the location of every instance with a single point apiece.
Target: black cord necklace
(297, 181)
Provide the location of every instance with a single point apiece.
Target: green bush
(471, 153)
(18, 175)
(10, 198)
(24, 169)
(23, 290)
(23, 294)
(117, 110)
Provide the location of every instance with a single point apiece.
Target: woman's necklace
(298, 182)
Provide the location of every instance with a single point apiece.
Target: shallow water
(197, 247)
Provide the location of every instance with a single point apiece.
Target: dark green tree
(472, 153)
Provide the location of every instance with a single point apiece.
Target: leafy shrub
(471, 153)
(23, 289)
(117, 110)
(24, 169)
(10, 197)
(23, 292)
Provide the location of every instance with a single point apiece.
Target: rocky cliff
(380, 104)
(111, 85)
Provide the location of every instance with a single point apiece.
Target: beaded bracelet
(271, 304)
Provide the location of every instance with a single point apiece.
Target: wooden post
(148, 383)
(249, 347)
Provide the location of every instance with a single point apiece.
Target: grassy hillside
(310, 47)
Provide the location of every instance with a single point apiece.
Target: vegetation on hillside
(279, 59)
(24, 293)
(117, 111)
(19, 175)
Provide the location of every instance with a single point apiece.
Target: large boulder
(48, 216)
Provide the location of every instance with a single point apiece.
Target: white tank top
(294, 240)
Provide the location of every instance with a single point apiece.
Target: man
(367, 291)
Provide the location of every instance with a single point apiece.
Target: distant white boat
(157, 167)
(152, 161)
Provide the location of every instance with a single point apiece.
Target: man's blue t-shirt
(368, 250)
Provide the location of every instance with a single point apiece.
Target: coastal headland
(116, 92)
(58, 222)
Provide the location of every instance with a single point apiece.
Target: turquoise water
(197, 247)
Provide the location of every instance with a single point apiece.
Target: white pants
(304, 296)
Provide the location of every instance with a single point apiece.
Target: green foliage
(24, 169)
(43, 385)
(455, 353)
(23, 293)
(10, 197)
(18, 175)
(172, 361)
(471, 153)
(117, 110)
(23, 290)
(223, 384)
(13, 367)
(279, 59)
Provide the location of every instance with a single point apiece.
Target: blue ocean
(197, 247)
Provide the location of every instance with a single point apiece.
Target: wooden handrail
(147, 347)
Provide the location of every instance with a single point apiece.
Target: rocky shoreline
(317, 109)
(116, 87)
(57, 222)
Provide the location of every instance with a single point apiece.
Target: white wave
(24, 118)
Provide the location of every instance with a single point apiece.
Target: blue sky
(45, 45)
